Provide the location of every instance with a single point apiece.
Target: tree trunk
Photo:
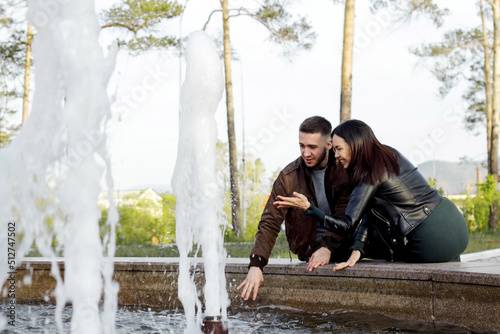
(27, 73)
(233, 156)
(346, 79)
(493, 221)
(488, 85)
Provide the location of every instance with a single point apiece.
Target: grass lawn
(477, 243)
(482, 242)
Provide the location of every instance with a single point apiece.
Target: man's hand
(252, 282)
(355, 256)
(321, 257)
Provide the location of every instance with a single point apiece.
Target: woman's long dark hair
(370, 160)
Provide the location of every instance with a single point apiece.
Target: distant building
(131, 198)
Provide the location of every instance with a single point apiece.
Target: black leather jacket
(401, 201)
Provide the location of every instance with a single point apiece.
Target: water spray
(199, 196)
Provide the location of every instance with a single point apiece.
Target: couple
(349, 196)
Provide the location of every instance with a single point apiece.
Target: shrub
(476, 210)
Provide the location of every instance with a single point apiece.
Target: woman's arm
(360, 198)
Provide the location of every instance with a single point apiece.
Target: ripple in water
(40, 319)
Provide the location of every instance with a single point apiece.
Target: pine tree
(292, 33)
(473, 56)
(403, 10)
(140, 22)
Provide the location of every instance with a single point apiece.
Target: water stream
(198, 193)
(53, 171)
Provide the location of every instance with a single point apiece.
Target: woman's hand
(299, 201)
(355, 256)
(321, 257)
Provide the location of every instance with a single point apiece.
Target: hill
(454, 177)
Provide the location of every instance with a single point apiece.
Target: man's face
(314, 149)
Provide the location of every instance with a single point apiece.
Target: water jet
(53, 171)
(456, 293)
(199, 218)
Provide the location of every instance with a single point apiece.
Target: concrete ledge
(465, 294)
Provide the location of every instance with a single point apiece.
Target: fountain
(54, 170)
(198, 194)
(52, 173)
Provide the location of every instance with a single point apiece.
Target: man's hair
(316, 124)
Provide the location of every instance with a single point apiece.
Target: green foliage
(144, 20)
(282, 26)
(243, 249)
(488, 190)
(147, 251)
(137, 226)
(433, 184)
(476, 209)
(12, 58)
(168, 201)
(254, 189)
(483, 241)
(254, 196)
(413, 8)
(144, 221)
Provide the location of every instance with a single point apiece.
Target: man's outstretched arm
(252, 282)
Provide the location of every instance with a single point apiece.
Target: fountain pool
(464, 295)
(45, 206)
(38, 319)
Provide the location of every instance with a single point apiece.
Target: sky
(393, 91)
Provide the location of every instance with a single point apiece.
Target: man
(314, 174)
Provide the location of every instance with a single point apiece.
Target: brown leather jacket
(300, 230)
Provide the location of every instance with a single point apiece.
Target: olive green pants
(441, 237)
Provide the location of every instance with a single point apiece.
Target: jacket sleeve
(361, 196)
(269, 228)
(330, 240)
(363, 232)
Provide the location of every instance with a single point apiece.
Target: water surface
(272, 319)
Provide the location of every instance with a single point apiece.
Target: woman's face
(342, 151)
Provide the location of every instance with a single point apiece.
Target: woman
(390, 200)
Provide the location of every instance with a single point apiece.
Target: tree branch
(258, 19)
(209, 17)
(239, 14)
(120, 25)
(463, 47)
